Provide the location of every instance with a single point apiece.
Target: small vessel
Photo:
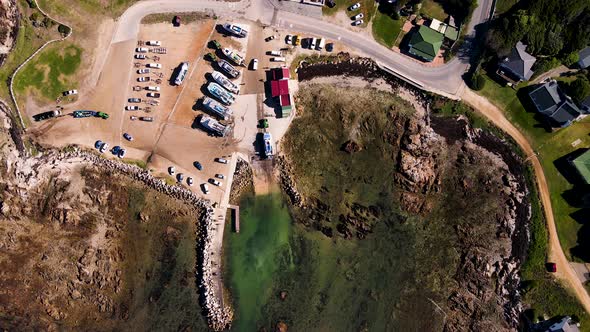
(229, 69)
(268, 145)
(220, 93)
(234, 56)
(181, 74)
(84, 114)
(217, 108)
(235, 30)
(227, 84)
(213, 126)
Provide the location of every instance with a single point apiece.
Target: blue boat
(217, 108)
(220, 93)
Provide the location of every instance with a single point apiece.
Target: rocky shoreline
(243, 181)
(28, 168)
(481, 273)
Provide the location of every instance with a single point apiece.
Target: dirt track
(564, 270)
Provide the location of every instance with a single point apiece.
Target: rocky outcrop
(243, 181)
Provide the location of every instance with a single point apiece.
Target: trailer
(183, 70)
(46, 115)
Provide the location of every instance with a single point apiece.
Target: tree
(579, 89)
(35, 16)
(64, 29)
(571, 59)
(478, 82)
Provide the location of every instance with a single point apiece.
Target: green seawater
(252, 255)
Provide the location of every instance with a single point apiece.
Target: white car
(141, 50)
(171, 170)
(154, 65)
(356, 23)
(153, 88)
(220, 176)
(355, 6)
(254, 64)
(189, 181)
(132, 108)
(140, 56)
(133, 118)
(122, 153)
(153, 94)
(70, 92)
(134, 100)
(221, 160)
(312, 44)
(358, 17)
(143, 71)
(154, 43)
(128, 137)
(215, 182)
(289, 39)
(143, 79)
(103, 147)
(205, 188)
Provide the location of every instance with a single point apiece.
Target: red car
(176, 21)
(551, 267)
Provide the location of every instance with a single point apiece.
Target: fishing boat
(217, 108)
(235, 30)
(220, 93)
(226, 83)
(267, 145)
(84, 114)
(213, 126)
(229, 69)
(234, 56)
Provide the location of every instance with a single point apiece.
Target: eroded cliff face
(464, 180)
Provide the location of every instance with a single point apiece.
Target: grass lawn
(433, 9)
(48, 72)
(386, 29)
(550, 147)
(368, 8)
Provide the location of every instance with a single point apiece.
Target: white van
(154, 42)
(312, 44)
(276, 53)
(321, 44)
(153, 88)
(141, 50)
(154, 65)
(278, 59)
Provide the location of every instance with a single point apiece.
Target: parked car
(179, 177)
(263, 123)
(132, 108)
(269, 38)
(102, 115)
(312, 44)
(154, 43)
(141, 50)
(103, 147)
(551, 267)
(134, 100)
(146, 118)
(116, 150)
(153, 88)
(355, 6)
(356, 23)
(70, 92)
(143, 71)
(205, 188)
(221, 160)
(215, 182)
(143, 79)
(133, 118)
(153, 94)
(98, 144)
(154, 65)
(358, 17)
(331, 3)
(122, 153)
(140, 56)
(220, 176)
(189, 181)
(289, 39)
(296, 40)
(128, 137)
(176, 21)
(171, 170)
(329, 47)
(254, 64)
(198, 165)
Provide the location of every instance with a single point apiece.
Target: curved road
(445, 79)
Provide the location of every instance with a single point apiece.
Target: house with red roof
(279, 87)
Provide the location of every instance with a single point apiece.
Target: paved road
(564, 270)
(446, 78)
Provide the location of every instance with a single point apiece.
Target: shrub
(545, 64)
(35, 16)
(32, 4)
(570, 59)
(579, 89)
(64, 29)
(48, 22)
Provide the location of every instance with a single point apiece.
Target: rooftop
(584, 57)
(582, 164)
(519, 62)
(556, 106)
(426, 43)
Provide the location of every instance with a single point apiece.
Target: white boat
(217, 108)
(235, 30)
(229, 69)
(234, 56)
(268, 151)
(220, 93)
(213, 126)
(225, 82)
(181, 73)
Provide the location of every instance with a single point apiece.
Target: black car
(269, 38)
(176, 21)
(198, 165)
(331, 3)
(329, 47)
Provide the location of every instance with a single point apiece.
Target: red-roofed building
(279, 87)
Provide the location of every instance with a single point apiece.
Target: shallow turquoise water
(253, 255)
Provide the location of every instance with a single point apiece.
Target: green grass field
(386, 29)
(48, 73)
(433, 9)
(550, 147)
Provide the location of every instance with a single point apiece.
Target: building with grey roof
(557, 108)
(584, 61)
(516, 67)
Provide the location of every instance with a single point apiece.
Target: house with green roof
(425, 43)
(582, 165)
